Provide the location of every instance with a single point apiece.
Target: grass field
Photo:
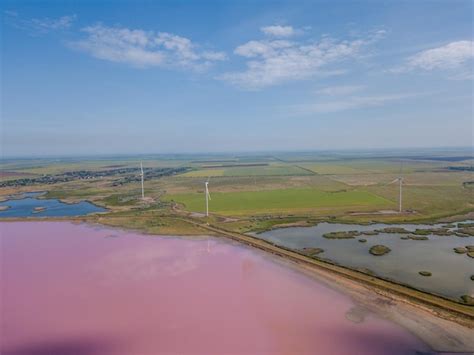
(266, 170)
(282, 201)
(204, 173)
(320, 185)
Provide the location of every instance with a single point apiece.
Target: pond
(30, 205)
(76, 289)
(451, 272)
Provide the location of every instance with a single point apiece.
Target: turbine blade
(392, 182)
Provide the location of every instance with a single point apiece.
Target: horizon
(376, 152)
(234, 76)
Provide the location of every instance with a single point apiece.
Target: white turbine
(143, 177)
(208, 197)
(400, 185)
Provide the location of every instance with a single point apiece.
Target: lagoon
(31, 205)
(80, 289)
(451, 272)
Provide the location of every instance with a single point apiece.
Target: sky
(133, 77)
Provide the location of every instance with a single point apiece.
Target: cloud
(278, 31)
(39, 25)
(340, 90)
(143, 49)
(348, 103)
(450, 56)
(275, 61)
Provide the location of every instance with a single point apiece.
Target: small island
(4, 208)
(417, 237)
(379, 250)
(341, 235)
(39, 209)
(394, 230)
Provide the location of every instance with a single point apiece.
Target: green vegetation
(283, 200)
(422, 232)
(312, 251)
(417, 237)
(395, 230)
(265, 170)
(465, 225)
(205, 173)
(469, 300)
(341, 235)
(284, 188)
(379, 250)
(369, 233)
(467, 231)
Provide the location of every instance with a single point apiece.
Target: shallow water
(450, 271)
(24, 207)
(73, 289)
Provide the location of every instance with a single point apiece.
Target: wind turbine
(399, 179)
(143, 177)
(208, 197)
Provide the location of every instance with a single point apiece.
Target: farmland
(347, 186)
(282, 201)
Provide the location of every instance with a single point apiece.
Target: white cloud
(340, 90)
(48, 24)
(143, 49)
(274, 61)
(450, 56)
(278, 31)
(39, 25)
(348, 103)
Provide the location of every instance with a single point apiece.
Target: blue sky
(106, 77)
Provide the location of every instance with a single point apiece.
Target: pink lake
(70, 289)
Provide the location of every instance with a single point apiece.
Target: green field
(205, 173)
(265, 171)
(281, 201)
(309, 185)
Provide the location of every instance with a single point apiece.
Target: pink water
(74, 289)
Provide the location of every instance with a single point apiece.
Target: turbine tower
(400, 186)
(208, 197)
(143, 177)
